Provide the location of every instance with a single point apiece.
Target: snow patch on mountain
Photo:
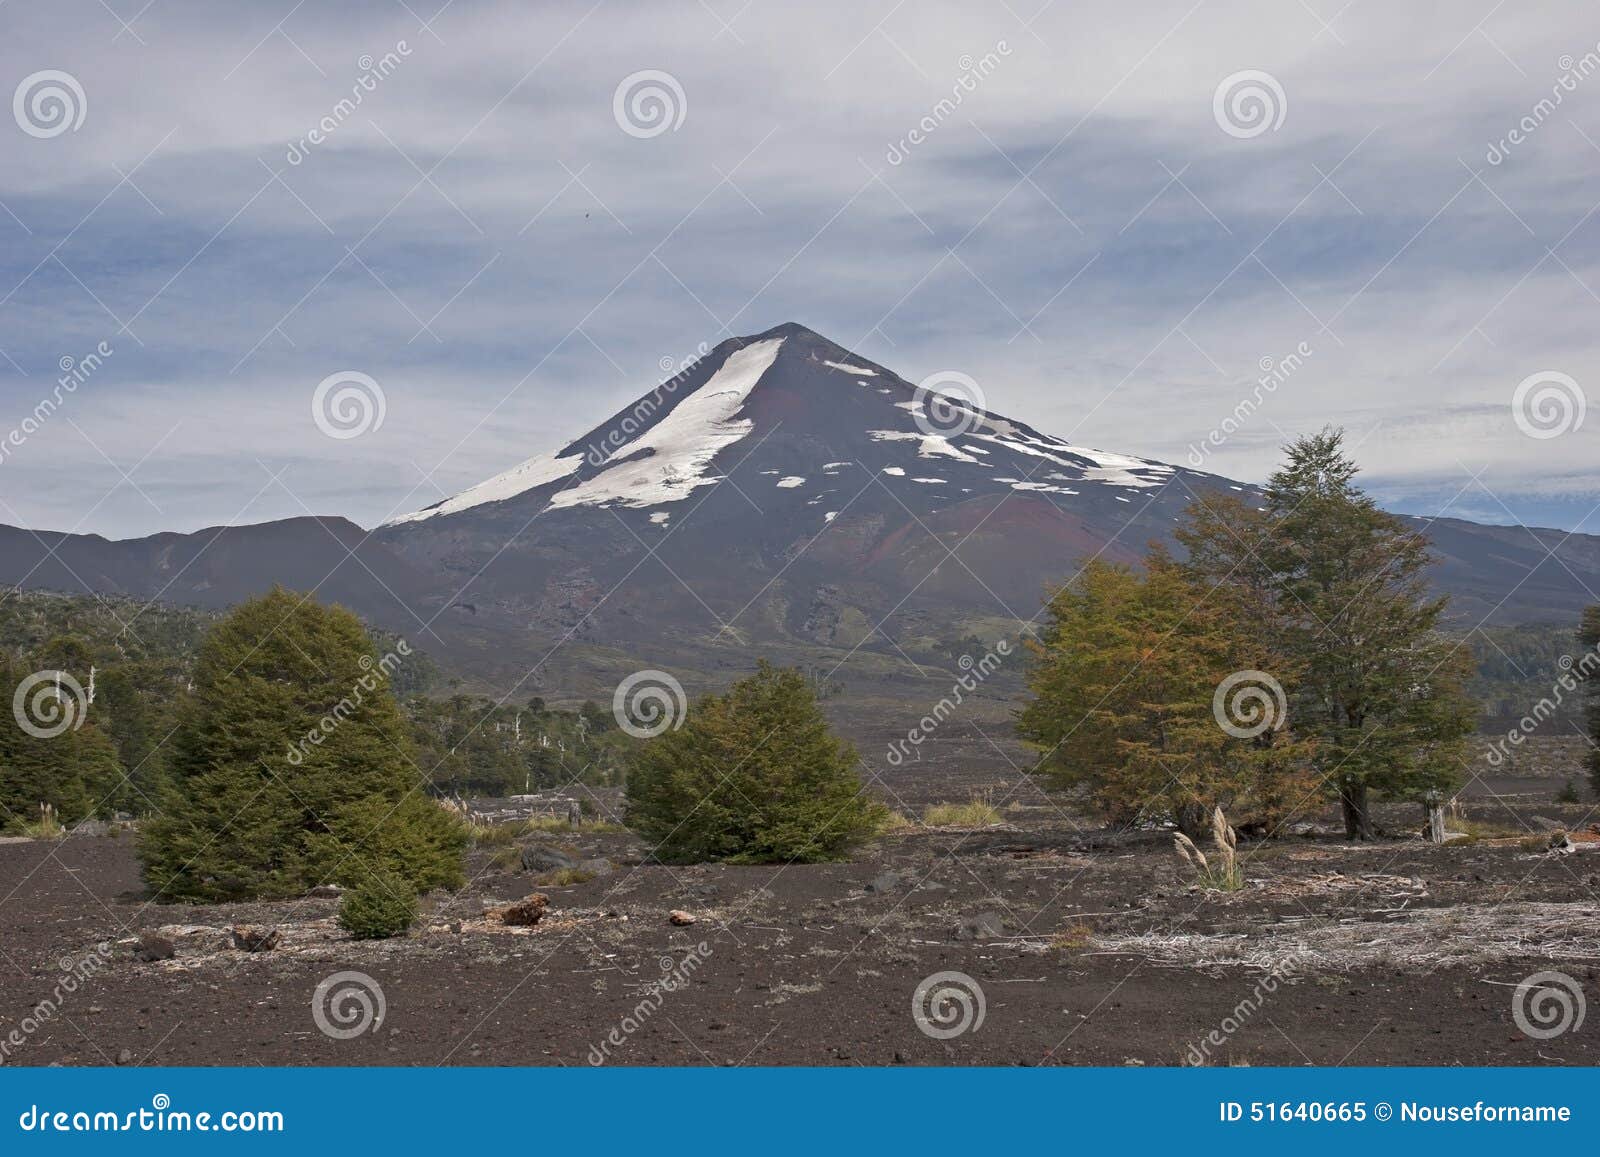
(859, 371)
(932, 445)
(669, 461)
(540, 471)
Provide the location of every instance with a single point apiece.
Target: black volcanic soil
(1089, 949)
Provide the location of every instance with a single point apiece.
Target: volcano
(780, 496)
(785, 493)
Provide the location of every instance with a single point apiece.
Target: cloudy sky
(1111, 216)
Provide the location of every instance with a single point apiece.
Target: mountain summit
(823, 420)
(781, 496)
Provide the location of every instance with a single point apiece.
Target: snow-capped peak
(813, 420)
(663, 464)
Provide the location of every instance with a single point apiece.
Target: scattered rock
(154, 947)
(545, 858)
(680, 918)
(125, 1057)
(524, 913)
(247, 938)
(597, 867)
(1561, 844)
(326, 892)
(887, 882)
(983, 926)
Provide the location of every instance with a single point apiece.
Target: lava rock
(154, 947)
(887, 882)
(545, 858)
(247, 938)
(983, 926)
(524, 913)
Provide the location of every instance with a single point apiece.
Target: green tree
(293, 766)
(1124, 682)
(1381, 691)
(753, 776)
(67, 760)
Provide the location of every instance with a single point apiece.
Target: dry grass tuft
(45, 827)
(1222, 873)
(975, 813)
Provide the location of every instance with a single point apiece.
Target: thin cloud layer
(1054, 203)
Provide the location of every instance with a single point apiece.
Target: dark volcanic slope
(794, 489)
(781, 495)
(221, 565)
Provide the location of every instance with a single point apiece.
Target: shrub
(293, 767)
(494, 835)
(975, 813)
(381, 905)
(44, 826)
(752, 776)
(564, 878)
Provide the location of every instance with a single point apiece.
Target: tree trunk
(1433, 809)
(1357, 815)
(1193, 820)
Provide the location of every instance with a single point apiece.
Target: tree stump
(1433, 811)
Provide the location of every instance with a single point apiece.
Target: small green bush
(380, 906)
(752, 776)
